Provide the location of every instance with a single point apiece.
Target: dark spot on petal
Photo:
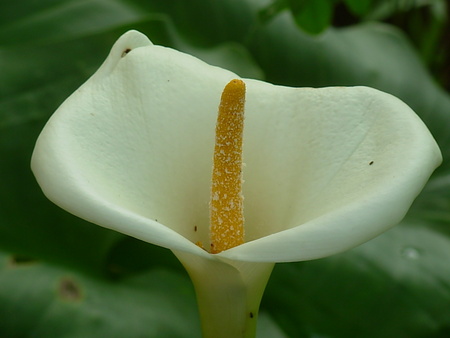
(195, 228)
(69, 290)
(251, 315)
(126, 51)
(371, 162)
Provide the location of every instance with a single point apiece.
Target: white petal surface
(327, 169)
(340, 165)
(131, 149)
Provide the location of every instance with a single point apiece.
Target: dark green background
(63, 277)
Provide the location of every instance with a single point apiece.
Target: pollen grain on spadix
(226, 204)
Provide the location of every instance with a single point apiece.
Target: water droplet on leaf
(411, 253)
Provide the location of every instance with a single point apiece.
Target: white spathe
(326, 169)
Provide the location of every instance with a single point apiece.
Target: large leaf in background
(395, 286)
(34, 22)
(44, 300)
(313, 16)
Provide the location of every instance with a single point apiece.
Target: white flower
(326, 169)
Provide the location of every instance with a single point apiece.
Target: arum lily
(326, 169)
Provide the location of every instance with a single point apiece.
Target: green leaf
(203, 23)
(51, 20)
(359, 7)
(43, 300)
(313, 16)
(393, 286)
(272, 9)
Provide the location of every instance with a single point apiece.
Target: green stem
(228, 294)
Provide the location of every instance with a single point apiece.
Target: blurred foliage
(63, 277)
(426, 22)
